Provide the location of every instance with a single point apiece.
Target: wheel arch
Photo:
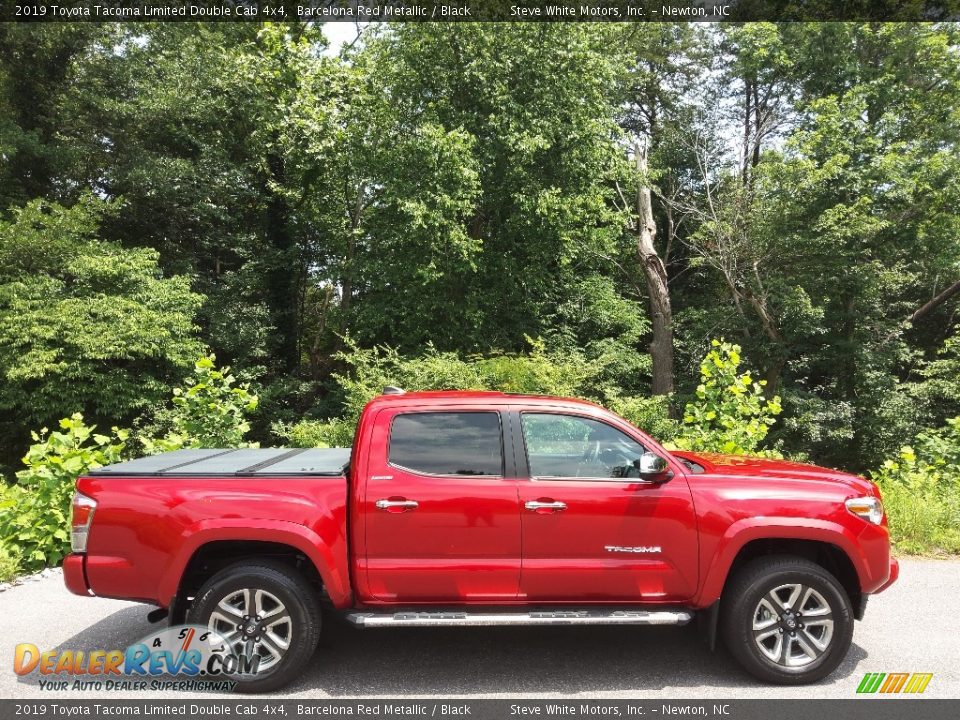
(826, 544)
(209, 548)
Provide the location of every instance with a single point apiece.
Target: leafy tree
(84, 324)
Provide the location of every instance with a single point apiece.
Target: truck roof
(400, 396)
(247, 462)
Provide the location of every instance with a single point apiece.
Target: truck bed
(246, 462)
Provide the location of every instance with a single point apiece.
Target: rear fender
(276, 531)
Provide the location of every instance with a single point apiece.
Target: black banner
(478, 10)
(447, 709)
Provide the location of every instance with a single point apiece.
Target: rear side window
(449, 443)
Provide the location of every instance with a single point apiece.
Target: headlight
(868, 508)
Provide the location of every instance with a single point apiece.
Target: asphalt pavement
(913, 627)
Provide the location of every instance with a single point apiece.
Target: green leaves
(921, 491)
(730, 414)
(85, 324)
(34, 513)
(209, 412)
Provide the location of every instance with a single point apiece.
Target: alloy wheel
(254, 622)
(793, 625)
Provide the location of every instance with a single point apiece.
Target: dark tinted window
(455, 443)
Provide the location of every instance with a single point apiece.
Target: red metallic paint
(74, 576)
(471, 541)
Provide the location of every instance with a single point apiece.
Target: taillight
(83, 508)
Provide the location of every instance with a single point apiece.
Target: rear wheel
(787, 620)
(265, 611)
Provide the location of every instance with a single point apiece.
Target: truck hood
(755, 467)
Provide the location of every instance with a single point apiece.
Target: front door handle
(545, 506)
(396, 506)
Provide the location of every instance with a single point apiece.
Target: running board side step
(533, 617)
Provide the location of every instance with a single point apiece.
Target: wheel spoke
(268, 644)
(762, 635)
(218, 617)
(809, 650)
(234, 614)
(795, 592)
(817, 643)
(281, 643)
(278, 620)
(771, 615)
(773, 601)
(274, 614)
(783, 657)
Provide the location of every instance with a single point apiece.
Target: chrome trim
(534, 505)
(405, 504)
(533, 617)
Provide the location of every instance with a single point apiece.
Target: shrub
(730, 414)
(9, 562)
(566, 373)
(210, 412)
(921, 491)
(35, 513)
(316, 433)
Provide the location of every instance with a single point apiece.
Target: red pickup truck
(477, 508)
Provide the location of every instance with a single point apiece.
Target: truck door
(592, 529)
(441, 508)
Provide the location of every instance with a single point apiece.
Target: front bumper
(892, 577)
(75, 574)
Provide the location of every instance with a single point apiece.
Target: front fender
(747, 530)
(332, 572)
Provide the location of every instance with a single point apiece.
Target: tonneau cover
(250, 462)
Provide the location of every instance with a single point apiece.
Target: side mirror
(654, 468)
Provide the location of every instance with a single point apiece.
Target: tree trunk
(282, 293)
(661, 314)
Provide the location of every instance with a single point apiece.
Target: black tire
(806, 653)
(280, 586)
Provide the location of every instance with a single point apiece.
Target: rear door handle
(395, 506)
(540, 506)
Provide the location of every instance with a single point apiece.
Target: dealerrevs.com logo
(888, 683)
(183, 657)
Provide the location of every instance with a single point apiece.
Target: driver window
(570, 446)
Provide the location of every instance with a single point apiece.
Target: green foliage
(316, 433)
(9, 562)
(85, 324)
(921, 491)
(562, 372)
(651, 414)
(35, 513)
(805, 179)
(730, 414)
(209, 412)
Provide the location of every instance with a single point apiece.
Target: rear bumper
(75, 575)
(892, 577)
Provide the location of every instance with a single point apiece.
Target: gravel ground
(913, 627)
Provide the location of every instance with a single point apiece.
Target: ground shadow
(513, 661)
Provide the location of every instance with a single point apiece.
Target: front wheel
(787, 620)
(265, 612)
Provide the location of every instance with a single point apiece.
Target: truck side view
(479, 508)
